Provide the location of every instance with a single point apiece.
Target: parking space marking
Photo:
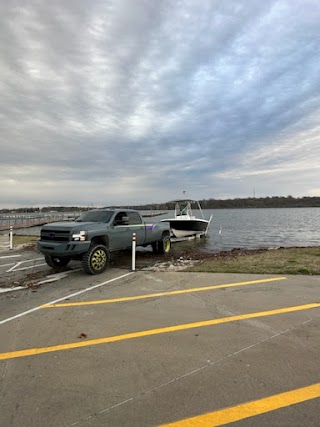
(30, 266)
(162, 294)
(150, 332)
(14, 268)
(91, 288)
(250, 409)
(6, 265)
(9, 256)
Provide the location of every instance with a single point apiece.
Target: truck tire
(56, 261)
(164, 245)
(96, 260)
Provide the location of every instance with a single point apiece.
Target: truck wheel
(56, 261)
(164, 245)
(95, 261)
(155, 247)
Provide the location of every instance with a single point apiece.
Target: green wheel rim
(98, 259)
(167, 244)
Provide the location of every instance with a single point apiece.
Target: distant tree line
(263, 202)
(249, 202)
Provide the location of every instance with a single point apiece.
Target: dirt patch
(176, 260)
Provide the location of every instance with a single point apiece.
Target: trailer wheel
(96, 260)
(56, 261)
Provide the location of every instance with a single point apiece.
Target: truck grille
(55, 235)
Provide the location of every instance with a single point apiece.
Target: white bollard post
(11, 238)
(133, 251)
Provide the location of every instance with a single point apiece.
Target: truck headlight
(80, 236)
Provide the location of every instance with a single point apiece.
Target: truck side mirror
(121, 221)
(125, 220)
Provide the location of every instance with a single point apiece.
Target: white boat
(184, 223)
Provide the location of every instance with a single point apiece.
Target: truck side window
(118, 218)
(134, 218)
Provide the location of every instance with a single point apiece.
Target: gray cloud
(134, 101)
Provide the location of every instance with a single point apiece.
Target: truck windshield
(95, 216)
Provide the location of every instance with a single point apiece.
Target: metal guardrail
(32, 220)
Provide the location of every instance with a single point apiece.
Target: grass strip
(276, 261)
(24, 240)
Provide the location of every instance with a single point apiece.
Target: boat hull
(185, 228)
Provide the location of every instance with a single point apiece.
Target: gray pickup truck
(96, 233)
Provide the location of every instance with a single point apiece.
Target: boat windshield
(183, 209)
(95, 216)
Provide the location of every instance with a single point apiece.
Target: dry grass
(277, 261)
(24, 240)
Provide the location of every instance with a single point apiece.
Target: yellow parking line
(162, 294)
(250, 409)
(150, 332)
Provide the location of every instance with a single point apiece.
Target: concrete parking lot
(161, 349)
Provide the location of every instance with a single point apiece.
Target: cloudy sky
(134, 101)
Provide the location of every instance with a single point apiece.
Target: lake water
(251, 228)
(260, 228)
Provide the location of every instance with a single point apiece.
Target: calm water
(252, 228)
(261, 228)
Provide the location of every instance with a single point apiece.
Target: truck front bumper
(63, 249)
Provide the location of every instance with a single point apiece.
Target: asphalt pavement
(164, 348)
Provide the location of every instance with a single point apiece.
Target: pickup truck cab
(95, 234)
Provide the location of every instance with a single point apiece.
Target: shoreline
(282, 260)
